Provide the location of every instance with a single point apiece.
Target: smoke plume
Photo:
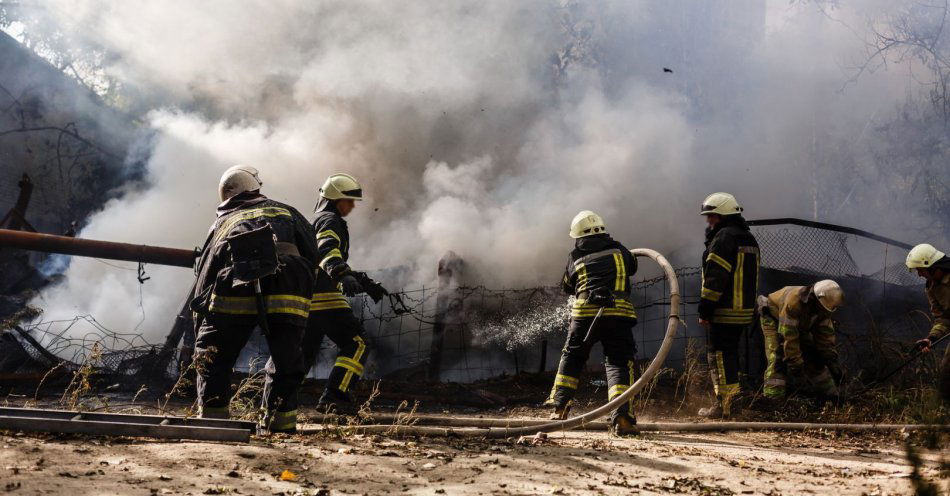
(478, 127)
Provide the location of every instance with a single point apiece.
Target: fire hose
(444, 426)
(586, 418)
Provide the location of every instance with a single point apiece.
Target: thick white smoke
(478, 127)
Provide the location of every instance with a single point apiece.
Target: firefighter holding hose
(256, 269)
(800, 339)
(330, 313)
(727, 301)
(597, 275)
(934, 266)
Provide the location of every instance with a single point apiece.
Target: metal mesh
(806, 250)
(486, 333)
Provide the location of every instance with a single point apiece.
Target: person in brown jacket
(934, 266)
(800, 338)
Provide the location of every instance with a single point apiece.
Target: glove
(375, 290)
(351, 286)
(923, 344)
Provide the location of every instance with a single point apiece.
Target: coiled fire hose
(586, 418)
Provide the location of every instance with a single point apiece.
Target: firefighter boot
(336, 401)
(624, 425)
(560, 412)
(279, 422)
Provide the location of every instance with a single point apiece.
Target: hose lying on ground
(648, 374)
(438, 425)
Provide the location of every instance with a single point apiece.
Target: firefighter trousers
(346, 332)
(722, 356)
(217, 346)
(616, 336)
(816, 378)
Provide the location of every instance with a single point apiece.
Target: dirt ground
(566, 463)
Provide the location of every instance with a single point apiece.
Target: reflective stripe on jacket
(333, 251)
(288, 292)
(730, 273)
(802, 319)
(600, 263)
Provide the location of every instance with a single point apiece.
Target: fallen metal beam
(120, 424)
(66, 245)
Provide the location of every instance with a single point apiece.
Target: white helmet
(341, 186)
(722, 204)
(587, 223)
(237, 180)
(923, 256)
(829, 294)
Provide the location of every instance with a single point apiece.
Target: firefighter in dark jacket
(934, 266)
(330, 312)
(727, 301)
(597, 275)
(227, 311)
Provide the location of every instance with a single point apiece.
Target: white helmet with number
(923, 256)
(587, 223)
(341, 186)
(829, 294)
(237, 180)
(722, 204)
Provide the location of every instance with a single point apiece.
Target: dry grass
(79, 386)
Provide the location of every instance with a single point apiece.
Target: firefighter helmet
(587, 223)
(237, 180)
(829, 294)
(923, 256)
(722, 204)
(341, 186)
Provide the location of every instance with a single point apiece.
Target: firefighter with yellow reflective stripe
(727, 300)
(598, 276)
(226, 309)
(934, 266)
(330, 313)
(800, 339)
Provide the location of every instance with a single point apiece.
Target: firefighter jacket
(333, 251)
(598, 263)
(730, 273)
(801, 318)
(938, 293)
(287, 292)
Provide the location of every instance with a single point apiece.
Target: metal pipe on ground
(65, 245)
(437, 425)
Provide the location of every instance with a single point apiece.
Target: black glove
(923, 344)
(351, 286)
(375, 290)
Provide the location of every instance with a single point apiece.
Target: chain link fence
(449, 333)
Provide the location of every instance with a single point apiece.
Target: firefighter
(597, 275)
(800, 338)
(934, 266)
(226, 310)
(727, 301)
(330, 312)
